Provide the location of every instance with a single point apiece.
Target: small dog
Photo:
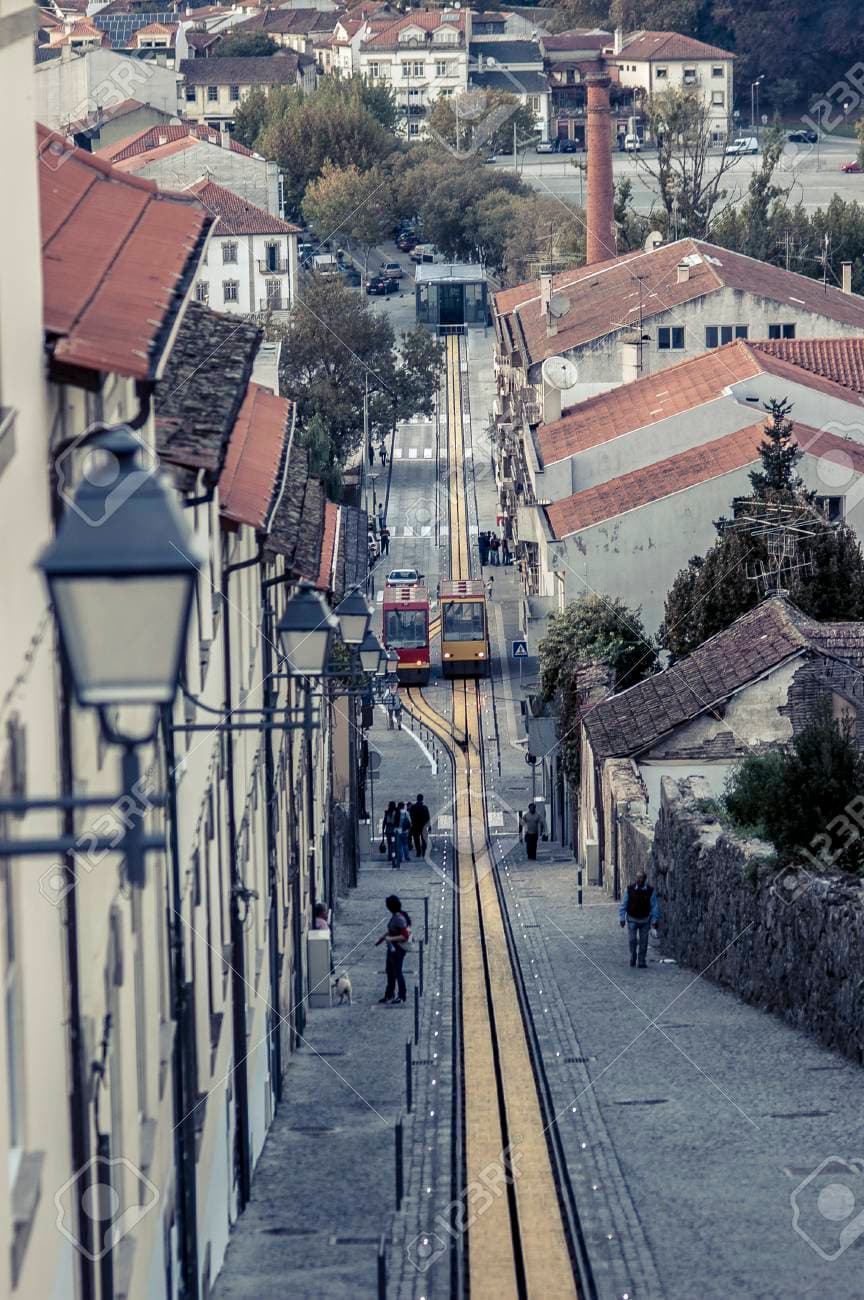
(342, 985)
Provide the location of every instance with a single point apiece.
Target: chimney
(600, 215)
(683, 272)
(619, 40)
(224, 136)
(551, 403)
(545, 304)
(846, 273)
(631, 357)
(162, 139)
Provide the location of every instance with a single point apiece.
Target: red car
(850, 167)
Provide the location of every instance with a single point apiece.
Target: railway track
(526, 1242)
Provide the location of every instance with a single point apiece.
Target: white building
(212, 88)
(421, 57)
(652, 62)
(251, 265)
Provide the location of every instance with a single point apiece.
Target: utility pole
(366, 447)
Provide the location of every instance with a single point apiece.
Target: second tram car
(406, 630)
(464, 630)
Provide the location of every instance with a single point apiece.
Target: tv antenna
(782, 527)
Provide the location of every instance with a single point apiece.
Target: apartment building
(212, 88)
(651, 62)
(422, 57)
(251, 265)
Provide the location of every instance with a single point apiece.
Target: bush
(804, 798)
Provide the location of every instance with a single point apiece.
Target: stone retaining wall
(791, 944)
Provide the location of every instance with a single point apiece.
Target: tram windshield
(405, 629)
(462, 620)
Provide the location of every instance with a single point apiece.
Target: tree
(713, 590)
(245, 45)
(689, 179)
(791, 796)
(334, 346)
(516, 234)
(482, 121)
(350, 203)
(751, 227)
(318, 439)
(249, 118)
(446, 192)
(568, 14)
(859, 135)
(378, 99)
(592, 629)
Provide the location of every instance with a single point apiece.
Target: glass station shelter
(451, 294)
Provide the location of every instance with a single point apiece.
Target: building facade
(212, 88)
(421, 57)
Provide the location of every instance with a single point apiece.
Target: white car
(743, 144)
(391, 271)
(403, 577)
(632, 143)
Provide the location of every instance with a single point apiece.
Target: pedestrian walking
(483, 544)
(404, 824)
(385, 540)
(397, 936)
(533, 825)
(380, 515)
(494, 545)
(639, 910)
(397, 713)
(370, 452)
(389, 831)
(419, 821)
(382, 453)
(506, 557)
(490, 585)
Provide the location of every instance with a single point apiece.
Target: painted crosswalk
(414, 453)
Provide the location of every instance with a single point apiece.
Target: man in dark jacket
(419, 822)
(639, 910)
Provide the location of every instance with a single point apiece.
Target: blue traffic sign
(520, 650)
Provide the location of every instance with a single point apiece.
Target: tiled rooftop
(668, 45)
(236, 216)
(763, 638)
(428, 20)
(606, 297)
(155, 137)
(268, 70)
(839, 360)
(594, 505)
(118, 256)
(250, 480)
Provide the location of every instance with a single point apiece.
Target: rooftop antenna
(782, 527)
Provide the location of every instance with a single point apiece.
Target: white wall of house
(419, 73)
(232, 279)
(67, 89)
(712, 79)
(254, 179)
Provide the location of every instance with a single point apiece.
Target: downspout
(185, 1154)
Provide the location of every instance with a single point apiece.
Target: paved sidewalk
(324, 1189)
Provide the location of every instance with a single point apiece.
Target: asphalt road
(812, 174)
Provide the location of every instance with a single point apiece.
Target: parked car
(490, 158)
(406, 242)
(743, 144)
(382, 284)
(351, 277)
(803, 137)
(402, 577)
(391, 269)
(568, 146)
(427, 254)
(850, 167)
(546, 146)
(632, 143)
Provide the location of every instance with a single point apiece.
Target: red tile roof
(282, 69)
(236, 216)
(607, 296)
(657, 46)
(153, 137)
(840, 360)
(426, 19)
(118, 256)
(701, 379)
(640, 487)
(248, 486)
(328, 546)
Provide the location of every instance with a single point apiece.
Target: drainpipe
(184, 1101)
(272, 851)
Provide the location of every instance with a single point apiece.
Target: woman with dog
(397, 936)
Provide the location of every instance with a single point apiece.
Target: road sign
(520, 650)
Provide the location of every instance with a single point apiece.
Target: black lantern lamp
(306, 631)
(371, 653)
(354, 614)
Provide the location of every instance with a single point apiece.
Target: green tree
(568, 14)
(482, 121)
(245, 45)
(379, 99)
(445, 192)
(592, 629)
(250, 117)
(779, 454)
(347, 202)
(792, 795)
(751, 227)
(319, 440)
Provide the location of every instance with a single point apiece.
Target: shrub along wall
(793, 945)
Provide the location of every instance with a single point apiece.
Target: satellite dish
(559, 373)
(559, 305)
(652, 241)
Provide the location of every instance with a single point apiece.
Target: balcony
(273, 304)
(273, 266)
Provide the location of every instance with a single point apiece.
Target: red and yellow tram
(406, 630)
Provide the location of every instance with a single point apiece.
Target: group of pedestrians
(493, 549)
(404, 826)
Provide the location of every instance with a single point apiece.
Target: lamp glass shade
(306, 630)
(355, 615)
(370, 653)
(124, 637)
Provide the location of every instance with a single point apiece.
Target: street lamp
(121, 582)
(306, 631)
(754, 99)
(371, 653)
(354, 615)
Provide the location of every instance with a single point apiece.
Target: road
(812, 174)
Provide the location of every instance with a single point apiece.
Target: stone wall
(630, 831)
(793, 944)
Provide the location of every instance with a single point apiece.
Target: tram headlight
(481, 654)
(447, 654)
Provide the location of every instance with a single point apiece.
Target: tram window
(463, 621)
(405, 629)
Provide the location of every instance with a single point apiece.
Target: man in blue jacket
(639, 910)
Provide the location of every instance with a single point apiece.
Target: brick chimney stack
(600, 213)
